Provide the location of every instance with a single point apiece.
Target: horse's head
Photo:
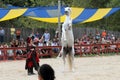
(68, 11)
(68, 22)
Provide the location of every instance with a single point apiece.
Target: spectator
(113, 37)
(104, 34)
(55, 43)
(46, 36)
(108, 37)
(10, 51)
(37, 35)
(36, 41)
(46, 72)
(44, 50)
(97, 36)
(2, 34)
(40, 43)
(32, 35)
(13, 43)
(18, 33)
(12, 30)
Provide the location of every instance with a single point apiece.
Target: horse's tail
(69, 58)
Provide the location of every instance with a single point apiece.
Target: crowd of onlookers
(34, 39)
(45, 40)
(102, 38)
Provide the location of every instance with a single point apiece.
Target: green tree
(2, 5)
(99, 3)
(81, 3)
(113, 3)
(113, 20)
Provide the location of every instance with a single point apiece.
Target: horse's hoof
(58, 57)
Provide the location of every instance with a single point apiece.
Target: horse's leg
(60, 53)
(63, 33)
(63, 56)
(72, 57)
(64, 37)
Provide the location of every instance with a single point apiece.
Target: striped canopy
(50, 14)
(7, 14)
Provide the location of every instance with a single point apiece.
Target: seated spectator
(19, 52)
(55, 43)
(10, 52)
(18, 33)
(44, 51)
(113, 37)
(46, 72)
(40, 43)
(36, 41)
(97, 36)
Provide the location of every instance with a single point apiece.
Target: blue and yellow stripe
(50, 14)
(10, 14)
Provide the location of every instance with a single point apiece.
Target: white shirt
(46, 36)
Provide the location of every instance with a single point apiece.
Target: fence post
(80, 51)
(14, 50)
(117, 48)
(5, 53)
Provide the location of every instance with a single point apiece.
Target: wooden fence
(80, 50)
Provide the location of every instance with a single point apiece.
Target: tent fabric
(50, 14)
(79, 15)
(10, 14)
(99, 14)
(86, 13)
(55, 19)
(3, 12)
(43, 12)
(113, 10)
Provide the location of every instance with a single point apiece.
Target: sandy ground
(86, 68)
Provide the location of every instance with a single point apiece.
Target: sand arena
(86, 68)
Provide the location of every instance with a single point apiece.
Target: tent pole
(59, 25)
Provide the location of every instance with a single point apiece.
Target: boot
(31, 70)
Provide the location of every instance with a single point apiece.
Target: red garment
(29, 39)
(30, 64)
(104, 34)
(32, 59)
(37, 59)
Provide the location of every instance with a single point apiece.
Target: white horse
(67, 40)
